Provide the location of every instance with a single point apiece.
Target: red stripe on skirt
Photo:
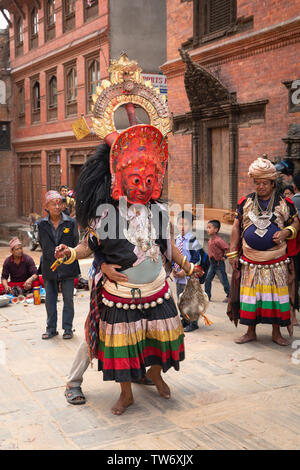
(135, 362)
(265, 313)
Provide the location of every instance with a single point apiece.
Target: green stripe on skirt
(265, 305)
(133, 350)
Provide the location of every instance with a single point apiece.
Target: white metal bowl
(4, 300)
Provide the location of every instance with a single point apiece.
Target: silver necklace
(141, 232)
(260, 218)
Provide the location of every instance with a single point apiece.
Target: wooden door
(25, 197)
(53, 170)
(74, 175)
(30, 177)
(36, 181)
(220, 168)
(76, 160)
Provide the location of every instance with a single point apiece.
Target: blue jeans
(67, 288)
(217, 267)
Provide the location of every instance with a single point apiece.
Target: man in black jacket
(55, 229)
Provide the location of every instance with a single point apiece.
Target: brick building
(59, 52)
(7, 188)
(234, 91)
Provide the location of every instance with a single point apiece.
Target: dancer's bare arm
(82, 250)
(178, 258)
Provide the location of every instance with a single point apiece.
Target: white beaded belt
(133, 306)
(268, 266)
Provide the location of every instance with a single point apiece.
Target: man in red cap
(20, 268)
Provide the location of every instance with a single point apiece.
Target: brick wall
(259, 75)
(266, 13)
(7, 159)
(86, 38)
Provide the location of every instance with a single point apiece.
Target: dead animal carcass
(193, 302)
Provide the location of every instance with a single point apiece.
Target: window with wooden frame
(293, 87)
(4, 135)
(90, 9)
(49, 8)
(92, 79)
(19, 36)
(70, 89)
(68, 15)
(35, 100)
(53, 170)
(219, 15)
(21, 103)
(214, 19)
(34, 28)
(51, 95)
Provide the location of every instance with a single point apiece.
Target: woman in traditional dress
(264, 224)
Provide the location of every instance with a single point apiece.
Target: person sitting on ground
(19, 267)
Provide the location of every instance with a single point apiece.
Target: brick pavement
(226, 396)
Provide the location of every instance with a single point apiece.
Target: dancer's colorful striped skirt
(264, 294)
(132, 339)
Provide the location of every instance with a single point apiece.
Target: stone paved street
(226, 396)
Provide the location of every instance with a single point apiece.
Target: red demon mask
(138, 160)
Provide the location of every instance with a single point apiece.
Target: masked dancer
(133, 323)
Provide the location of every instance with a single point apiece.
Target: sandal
(49, 334)
(68, 334)
(72, 394)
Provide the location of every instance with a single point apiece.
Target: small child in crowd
(217, 249)
(189, 246)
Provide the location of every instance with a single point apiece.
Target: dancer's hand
(110, 270)
(61, 251)
(280, 236)
(234, 262)
(179, 274)
(198, 271)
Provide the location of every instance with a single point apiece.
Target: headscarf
(262, 168)
(52, 195)
(14, 242)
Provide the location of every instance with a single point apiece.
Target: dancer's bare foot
(162, 388)
(246, 338)
(122, 404)
(290, 329)
(278, 339)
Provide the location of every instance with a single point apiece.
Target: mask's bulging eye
(149, 181)
(136, 180)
